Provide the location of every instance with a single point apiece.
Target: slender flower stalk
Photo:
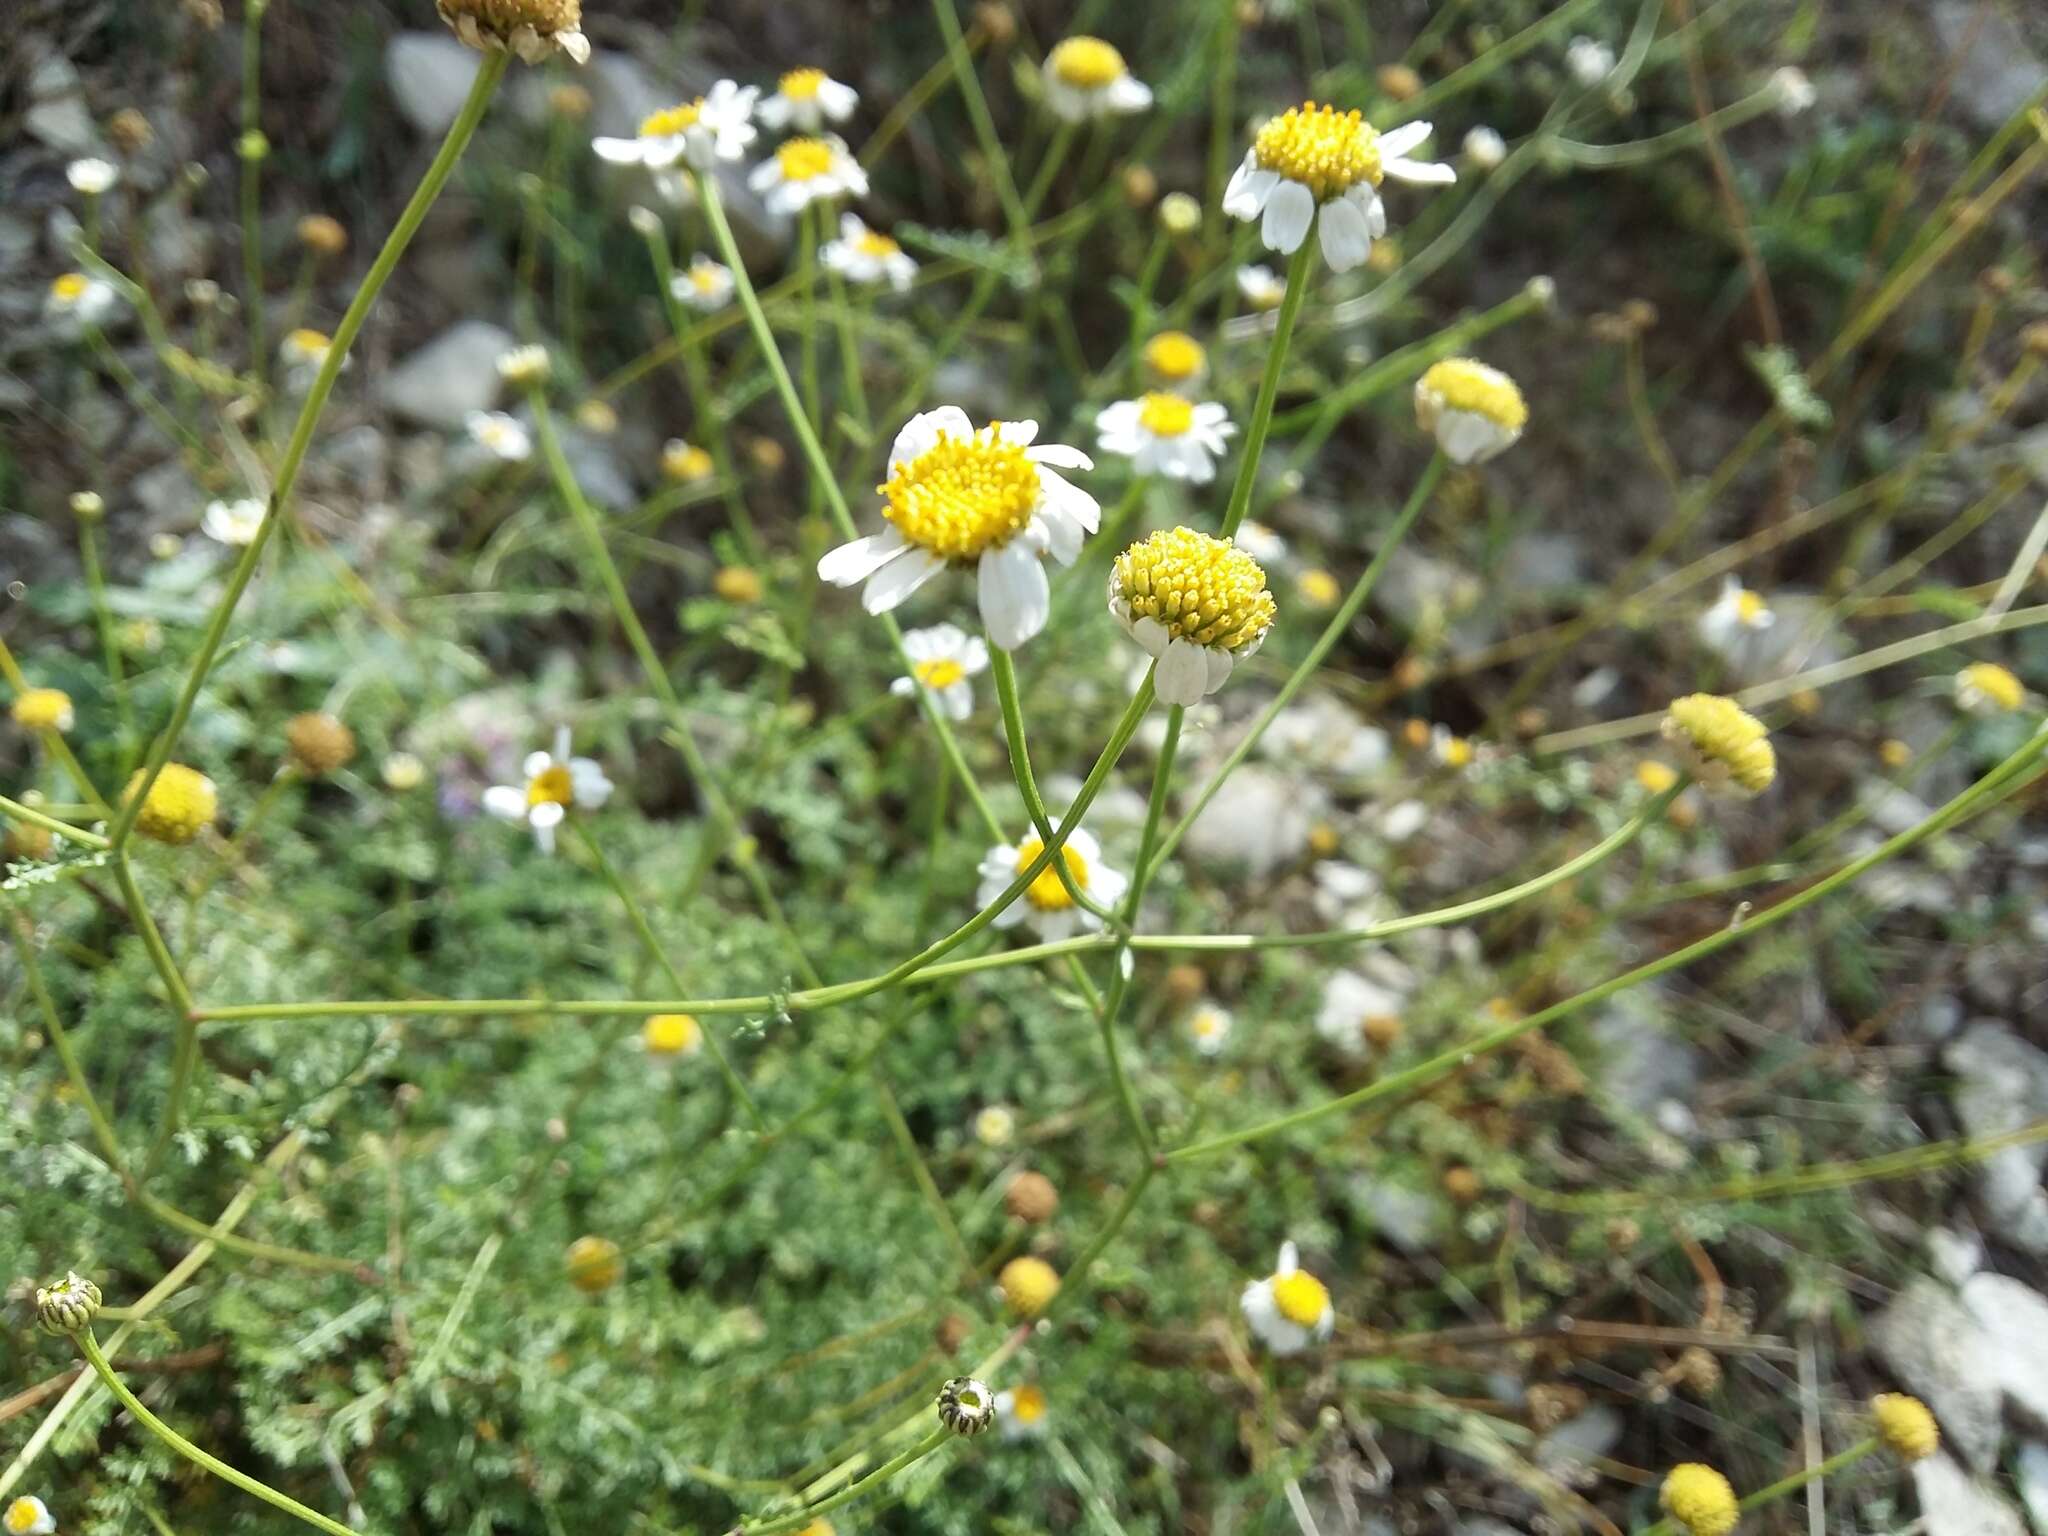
(1269, 389)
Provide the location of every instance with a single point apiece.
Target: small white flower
(1589, 60)
(501, 434)
(1474, 411)
(704, 285)
(1196, 604)
(1209, 1028)
(1021, 1412)
(995, 1126)
(1167, 434)
(1260, 287)
(802, 171)
(1986, 688)
(1046, 903)
(85, 300)
(866, 256)
(716, 126)
(555, 782)
(1087, 78)
(1484, 149)
(1289, 1309)
(1261, 542)
(668, 1039)
(986, 499)
(301, 356)
(1448, 750)
(91, 177)
(1349, 1000)
(1795, 92)
(1736, 614)
(521, 366)
(233, 522)
(942, 659)
(28, 1516)
(806, 100)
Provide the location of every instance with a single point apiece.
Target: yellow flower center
(43, 709)
(307, 343)
(1327, 151)
(1165, 415)
(963, 495)
(1027, 1404)
(1087, 63)
(1198, 588)
(671, 1034)
(1750, 608)
(22, 1516)
(1654, 776)
(1046, 892)
(687, 462)
(801, 84)
(942, 673)
(1301, 1298)
(552, 786)
(1206, 1025)
(1726, 737)
(804, 159)
(670, 121)
(69, 288)
(180, 804)
(738, 584)
(1460, 384)
(1995, 684)
(1319, 589)
(1175, 355)
(1456, 752)
(705, 278)
(872, 243)
(594, 1264)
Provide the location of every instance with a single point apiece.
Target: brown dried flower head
(1031, 1197)
(318, 744)
(533, 29)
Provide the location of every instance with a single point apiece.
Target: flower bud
(69, 1306)
(966, 1406)
(318, 744)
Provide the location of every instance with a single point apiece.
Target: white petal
(903, 687)
(507, 801)
(973, 653)
(1396, 142)
(1245, 196)
(537, 763)
(587, 782)
(1127, 93)
(765, 175)
(1022, 433)
(956, 700)
(1118, 416)
(1346, 238)
(1062, 534)
(851, 564)
(1015, 597)
(1060, 456)
(619, 151)
(894, 582)
(1058, 491)
(1220, 664)
(1152, 636)
(774, 112)
(1183, 675)
(545, 817)
(1422, 172)
(924, 429)
(838, 100)
(1107, 885)
(1289, 212)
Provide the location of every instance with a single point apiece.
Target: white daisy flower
(667, 1039)
(1483, 148)
(1353, 1010)
(1589, 60)
(704, 285)
(28, 1516)
(942, 659)
(1312, 161)
(555, 782)
(1289, 1309)
(1261, 542)
(1986, 688)
(1087, 78)
(995, 1126)
(806, 100)
(1021, 1412)
(87, 300)
(501, 434)
(1736, 614)
(1046, 903)
(802, 171)
(303, 353)
(1450, 751)
(716, 126)
(233, 522)
(1795, 92)
(1474, 411)
(521, 366)
(1164, 434)
(1209, 1028)
(1260, 287)
(986, 499)
(91, 177)
(1198, 605)
(867, 256)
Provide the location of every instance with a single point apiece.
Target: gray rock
(1998, 72)
(1407, 1218)
(17, 242)
(57, 113)
(2031, 1472)
(1952, 1503)
(429, 74)
(2002, 1085)
(359, 455)
(170, 498)
(180, 246)
(1955, 1255)
(1543, 562)
(452, 375)
(1943, 1357)
(1642, 1064)
(596, 467)
(1258, 821)
(2016, 1319)
(1580, 1440)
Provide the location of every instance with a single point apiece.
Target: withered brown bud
(317, 744)
(1031, 1197)
(1462, 1184)
(129, 130)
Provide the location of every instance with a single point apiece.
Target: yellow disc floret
(594, 1264)
(963, 495)
(687, 462)
(553, 785)
(25, 1515)
(1727, 744)
(1165, 415)
(1301, 1298)
(1905, 1426)
(1048, 892)
(1699, 1498)
(1086, 63)
(874, 243)
(1460, 384)
(307, 343)
(1028, 1285)
(804, 159)
(1986, 685)
(43, 709)
(68, 289)
(671, 1034)
(1198, 588)
(738, 584)
(943, 672)
(801, 84)
(670, 121)
(1327, 151)
(178, 806)
(1175, 356)
(1027, 1404)
(1654, 776)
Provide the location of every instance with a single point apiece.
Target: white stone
(430, 74)
(1952, 1503)
(2015, 1317)
(452, 375)
(1940, 1354)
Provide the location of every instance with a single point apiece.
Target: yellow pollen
(1165, 415)
(1996, 684)
(1046, 892)
(963, 495)
(942, 673)
(1087, 63)
(1301, 1298)
(670, 121)
(1196, 587)
(1729, 742)
(1175, 356)
(671, 1034)
(551, 786)
(1750, 608)
(1654, 776)
(1460, 384)
(872, 243)
(1327, 151)
(801, 84)
(804, 159)
(69, 288)
(1027, 1404)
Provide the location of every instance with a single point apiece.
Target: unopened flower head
(986, 498)
(1209, 1028)
(322, 234)
(130, 131)
(28, 1516)
(555, 783)
(1197, 604)
(1028, 1285)
(1699, 1498)
(966, 1406)
(88, 506)
(523, 366)
(1289, 1309)
(738, 584)
(402, 771)
(1088, 78)
(1484, 149)
(1175, 357)
(1167, 434)
(943, 660)
(43, 709)
(804, 171)
(1794, 91)
(1735, 614)
(704, 285)
(501, 434)
(597, 417)
(1047, 904)
(69, 1306)
(1022, 1412)
(686, 463)
(1260, 287)
(715, 126)
(1905, 1426)
(806, 100)
(1179, 214)
(671, 1037)
(1589, 60)
(181, 804)
(867, 256)
(304, 350)
(1474, 411)
(91, 177)
(995, 1125)
(1985, 688)
(1725, 746)
(85, 300)
(233, 522)
(533, 29)
(1312, 158)
(594, 1264)
(318, 744)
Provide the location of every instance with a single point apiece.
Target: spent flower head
(1474, 411)
(1197, 605)
(533, 29)
(318, 744)
(1085, 77)
(1726, 747)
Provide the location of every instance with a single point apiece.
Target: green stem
(1005, 673)
(985, 129)
(103, 620)
(1269, 386)
(252, 188)
(35, 818)
(1771, 1492)
(851, 1491)
(807, 341)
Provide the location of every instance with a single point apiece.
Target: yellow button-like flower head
(1726, 746)
(1699, 1498)
(180, 804)
(44, 709)
(594, 1264)
(1028, 1285)
(1905, 1425)
(1473, 411)
(1196, 603)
